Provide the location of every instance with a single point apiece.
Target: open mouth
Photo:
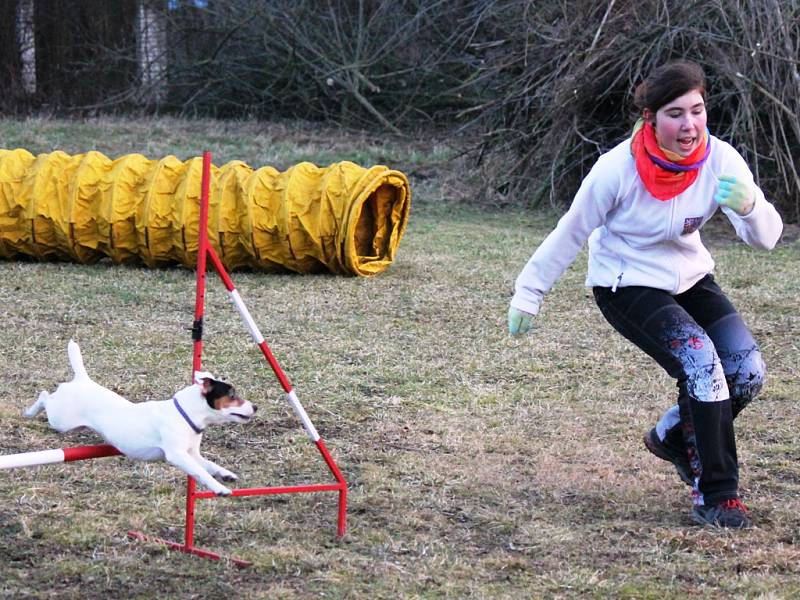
(687, 144)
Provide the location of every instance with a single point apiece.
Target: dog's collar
(185, 416)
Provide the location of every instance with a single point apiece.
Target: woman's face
(681, 124)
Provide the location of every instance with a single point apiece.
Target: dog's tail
(76, 360)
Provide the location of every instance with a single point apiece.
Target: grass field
(479, 465)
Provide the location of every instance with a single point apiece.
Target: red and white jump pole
(43, 457)
(204, 252)
(59, 455)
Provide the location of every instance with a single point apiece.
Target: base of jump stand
(137, 535)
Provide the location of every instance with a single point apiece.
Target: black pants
(701, 341)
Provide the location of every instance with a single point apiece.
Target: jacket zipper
(619, 277)
(669, 237)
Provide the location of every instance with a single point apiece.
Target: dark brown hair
(669, 81)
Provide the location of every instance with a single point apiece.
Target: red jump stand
(205, 251)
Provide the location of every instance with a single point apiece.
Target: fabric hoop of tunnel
(343, 218)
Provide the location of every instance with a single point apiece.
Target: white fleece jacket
(636, 239)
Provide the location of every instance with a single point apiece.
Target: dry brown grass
(480, 466)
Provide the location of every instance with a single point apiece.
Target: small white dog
(168, 430)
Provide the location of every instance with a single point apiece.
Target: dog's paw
(227, 476)
(223, 491)
(37, 407)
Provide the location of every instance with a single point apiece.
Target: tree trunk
(26, 42)
(151, 45)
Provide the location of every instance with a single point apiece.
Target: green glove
(519, 321)
(735, 194)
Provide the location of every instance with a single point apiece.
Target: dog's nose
(255, 408)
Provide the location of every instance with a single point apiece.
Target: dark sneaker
(728, 513)
(675, 456)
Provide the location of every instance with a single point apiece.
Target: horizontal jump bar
(297, 489)
(59, 455)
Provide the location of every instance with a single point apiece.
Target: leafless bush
(566, 71)
(358, 62)
(543, 86)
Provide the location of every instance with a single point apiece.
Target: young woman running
(641, 208)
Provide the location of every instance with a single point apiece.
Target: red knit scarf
(664, 173)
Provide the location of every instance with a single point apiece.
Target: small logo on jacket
(691, 224)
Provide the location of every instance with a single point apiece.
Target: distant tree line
(539, 87)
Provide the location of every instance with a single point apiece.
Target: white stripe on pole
(301, 414)
(30, 459)
(245, 314)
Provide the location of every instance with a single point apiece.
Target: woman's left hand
(735, 194)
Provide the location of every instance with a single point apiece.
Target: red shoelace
(734, 504)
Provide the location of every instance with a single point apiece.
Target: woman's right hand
(519, 321)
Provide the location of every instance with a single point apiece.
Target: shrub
(566, 73)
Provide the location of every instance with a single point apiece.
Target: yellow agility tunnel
(343, 218)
